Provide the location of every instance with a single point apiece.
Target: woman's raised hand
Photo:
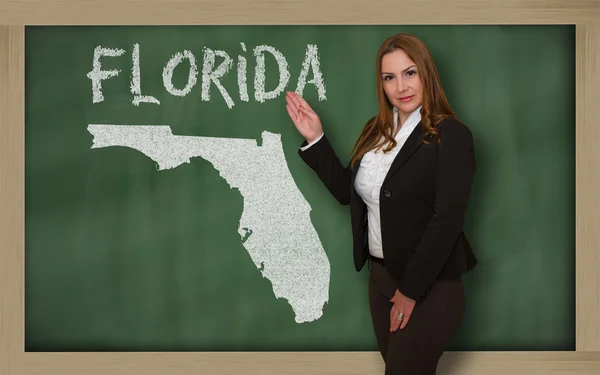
(305, 119)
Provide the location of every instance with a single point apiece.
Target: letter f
(97, 75)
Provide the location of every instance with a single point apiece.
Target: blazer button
(387, 193)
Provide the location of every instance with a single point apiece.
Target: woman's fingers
(293, 98)
(308, 113)
(405, 320)
(305, 119)
(295, 110)
(293, 114)
(292, 102)
(394, 322)
(299, 120)
(303, 103)
(299, 102)
(407, 314)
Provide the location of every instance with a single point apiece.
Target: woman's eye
(411, 72)
(387, 78)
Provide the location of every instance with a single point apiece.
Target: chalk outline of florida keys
(275, 214)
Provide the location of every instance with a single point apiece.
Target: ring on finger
(400, 316)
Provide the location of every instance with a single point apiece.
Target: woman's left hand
(402, 304)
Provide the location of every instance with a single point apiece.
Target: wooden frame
(15, 14)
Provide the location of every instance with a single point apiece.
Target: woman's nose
(400, 86)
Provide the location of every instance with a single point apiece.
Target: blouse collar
(411, 123)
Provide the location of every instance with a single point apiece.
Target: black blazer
(422, 205)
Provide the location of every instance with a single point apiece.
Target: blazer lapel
(355, 171)
(413, 142)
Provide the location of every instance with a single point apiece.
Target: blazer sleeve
(455, 171)
(322, 159)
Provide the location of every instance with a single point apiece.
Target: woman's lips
(406, 98)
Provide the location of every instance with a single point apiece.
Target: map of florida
(275, 220)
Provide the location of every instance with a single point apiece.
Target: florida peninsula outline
(275, 226)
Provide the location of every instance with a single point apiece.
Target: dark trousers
(416, 349)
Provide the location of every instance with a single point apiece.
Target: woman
(408, 184)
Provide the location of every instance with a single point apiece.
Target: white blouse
(373, 168)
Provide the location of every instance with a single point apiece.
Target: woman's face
(401, 82)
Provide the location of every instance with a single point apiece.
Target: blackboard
(122, 255)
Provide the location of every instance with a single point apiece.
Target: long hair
(435, 105)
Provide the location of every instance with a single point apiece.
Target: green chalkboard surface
(150, 251)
